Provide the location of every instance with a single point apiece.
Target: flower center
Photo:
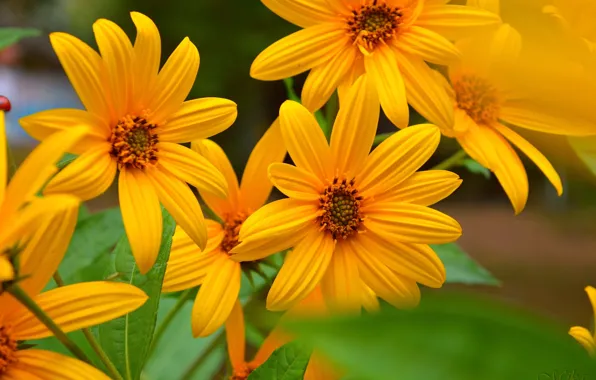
(231, 229)
(241, 373)
(373, 23)
(340, 209)
(8, 349)
(478, 97)
(133, 142)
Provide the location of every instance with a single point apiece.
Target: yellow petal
(33, 364)
(305, 140)
(146, 58)
(181, 203)
(116, 53)
(425, 93)
(585, 338)
(295, 182)
(43, 124)
(534, 154)
(274, 227)
(300, 51)
(592, 296)
(410, 223)
(174, 81)
(349, 79)
(370, 301)
(383, 70)
(3, 153)
(88, 176)
(319, 368)
(399, 291)
(86, 71)
(457, 21)
(397, 158)
(141, 215)
(216, 297)
(303, 13)
(341, 282)
(199, 119)
(302, 270)
(417, 262)
(355, 128)
(6, 269)
(424, 188)
(235, 336)
(427, 45)
(325, 78)
(189, 166)
(37, 168)
(490, 5)
(223, 207)
(78, 306)
(255, 187)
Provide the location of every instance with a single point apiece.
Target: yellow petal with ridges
(300, 51)
(592, 296)
(490, 5)
(189, 166)
(585, 338)
(427, 45)
(355, 128)
(216, 297)
(235, 336)
(295, 182)
(78, 306)
(370, 302)
(303, 13)
(255, 186)
(302, 270)
(33, 364)
(199, 119)
(383, 70)
(341, 282)
(146, 58)
(457, 21)
(423, 188)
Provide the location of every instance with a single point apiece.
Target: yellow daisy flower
(137, 117)
(388, 39)
(212, 267)
(337, 191)
(484, 98)
(583, 335)
(576, 17)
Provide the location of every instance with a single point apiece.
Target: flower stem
(28, 302)
(93, 342)
(455, 160)
(169, 318)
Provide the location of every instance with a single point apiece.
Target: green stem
(28, 302)
(455, 160)
(188, 374)
(169, 318)
(93, 342)
(382, 137)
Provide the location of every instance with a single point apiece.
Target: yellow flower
(212, 268)
(338, 191)
(484, 97)
(137, 116)
(576, 17)
(388, 39)
(583, 335)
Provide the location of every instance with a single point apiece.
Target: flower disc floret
(134, 142)
(373, 23)
(340, 209)
(478, 98)
(8, 348)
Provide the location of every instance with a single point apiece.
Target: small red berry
(5, 103)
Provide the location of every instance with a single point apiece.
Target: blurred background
(543, 257)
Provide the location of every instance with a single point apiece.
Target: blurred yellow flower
(212, 268)
(583, 335)
(338, 191)
(577, 18)
(137, 117)
(484, 98)
(388, 39)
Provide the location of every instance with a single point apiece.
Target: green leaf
(474, 167)
(461, 268)
(9, 36)
(66, 160)
(127, 339)
(289, 84)
(448, 336)
(286, 363)
(585, 148)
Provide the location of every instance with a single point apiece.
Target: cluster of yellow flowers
(357, 224)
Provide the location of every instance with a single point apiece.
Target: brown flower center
(231, 229)
(8, 349)
(373, 23)
(340, 209)
(133, 142)
(478, 97)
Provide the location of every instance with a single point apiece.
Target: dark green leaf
(286, 363)
(461, 268)
(474, 167)
(9, 36)
(448, 337)
(127, 339)
(585, 148)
